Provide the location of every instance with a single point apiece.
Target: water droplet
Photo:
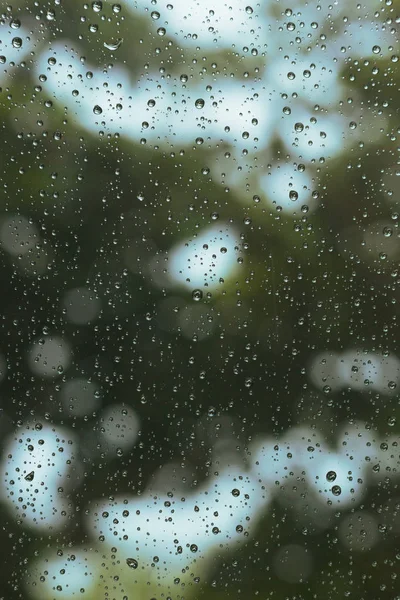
(199, 103)
(387, 231)
(97, 6)
(197, 295)
(336, 490)
(97, 110)
(114, 45)
(331, 476)
(132, 563)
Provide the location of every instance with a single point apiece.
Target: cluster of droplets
(165, 538)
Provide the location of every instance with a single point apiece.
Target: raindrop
(113, 45)
(387, 231)
(197, 295)
(132, 563)
(97, 6)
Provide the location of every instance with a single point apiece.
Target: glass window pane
(199, 247)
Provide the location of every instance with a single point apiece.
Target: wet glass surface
(199, 248)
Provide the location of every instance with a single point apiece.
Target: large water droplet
(132, 563)
(113, 45)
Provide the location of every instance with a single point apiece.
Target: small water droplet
(132, 563)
